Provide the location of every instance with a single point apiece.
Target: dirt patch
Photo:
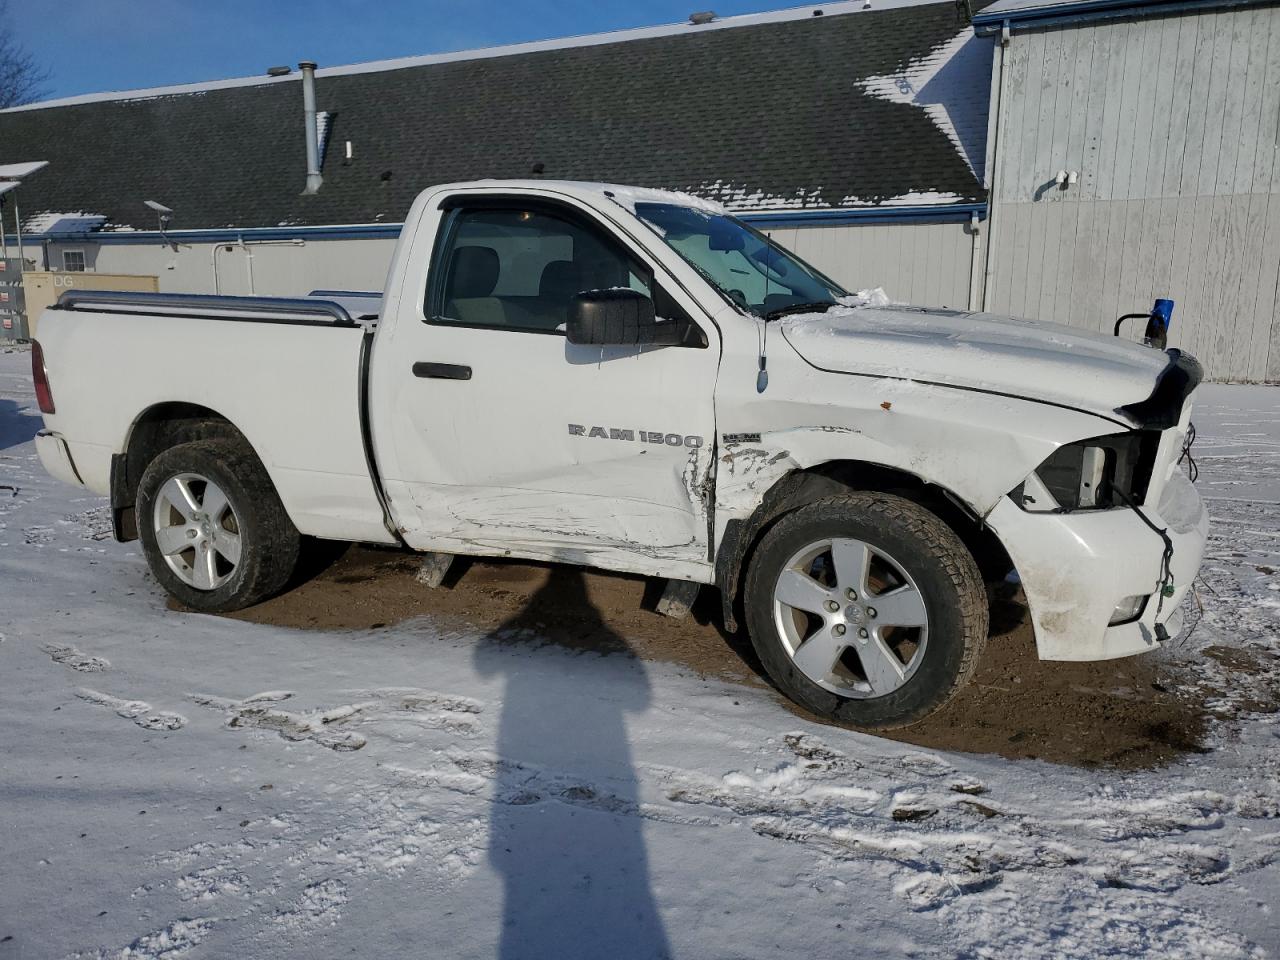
(369, 589)
(1127, 713)
(1256, 681)
(1133, 712)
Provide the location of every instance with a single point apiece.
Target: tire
(252, 529)
(894, 553)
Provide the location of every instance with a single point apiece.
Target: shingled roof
(853, 106)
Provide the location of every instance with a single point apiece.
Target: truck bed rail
(299, 310)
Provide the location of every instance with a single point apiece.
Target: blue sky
(95, 45)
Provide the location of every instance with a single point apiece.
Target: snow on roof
(839, 8)
(919, 198)
(50, 223)
(628, 197)
(941, 84)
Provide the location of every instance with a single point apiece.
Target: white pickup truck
(637, 381)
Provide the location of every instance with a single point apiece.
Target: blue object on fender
(1162, 313)
(1157, 334)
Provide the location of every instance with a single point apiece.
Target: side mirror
(616, 317)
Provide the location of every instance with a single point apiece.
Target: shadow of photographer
(570, 849)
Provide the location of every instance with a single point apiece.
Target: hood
(981, 351)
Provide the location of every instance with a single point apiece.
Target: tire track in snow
(319, 905)
(286, 876)
(972, 863)
(330, 727)
(977, 864)
(169, 942)
(69, 656)
(139, 711)
(256, 713)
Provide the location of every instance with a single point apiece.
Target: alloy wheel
(851, 618)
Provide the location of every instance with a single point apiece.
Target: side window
(520, 269)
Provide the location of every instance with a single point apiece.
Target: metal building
(1135, 154)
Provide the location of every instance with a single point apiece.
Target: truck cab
(497, 429)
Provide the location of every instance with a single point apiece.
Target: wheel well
(741, 537)
(159, 428)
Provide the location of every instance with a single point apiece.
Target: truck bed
(296, 367)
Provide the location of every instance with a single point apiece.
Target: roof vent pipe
(314, 180)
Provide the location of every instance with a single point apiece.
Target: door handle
(441, 371)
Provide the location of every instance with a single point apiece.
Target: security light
(163, 214)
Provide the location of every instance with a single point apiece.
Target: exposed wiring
(1195, 595)
(1193, 470)
(1164, 584)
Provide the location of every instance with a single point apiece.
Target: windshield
(754, 273)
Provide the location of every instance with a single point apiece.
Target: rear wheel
(866, 608)
(213, 529)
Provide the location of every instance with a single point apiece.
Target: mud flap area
(435, 567)
(677, 598)
(124, 520)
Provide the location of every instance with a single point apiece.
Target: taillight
(44, 395)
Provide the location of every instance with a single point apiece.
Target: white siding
(279, 269)
(1171, 124)
(925, 264)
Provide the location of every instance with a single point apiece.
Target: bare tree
(22, 80)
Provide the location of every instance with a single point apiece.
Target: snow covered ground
(174, 784)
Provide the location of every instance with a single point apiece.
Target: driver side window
(520, 269)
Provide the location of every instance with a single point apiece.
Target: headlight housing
(1095, 474)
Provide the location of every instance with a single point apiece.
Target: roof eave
(991, 22)
(865, 216)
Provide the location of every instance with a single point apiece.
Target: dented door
(509, 440)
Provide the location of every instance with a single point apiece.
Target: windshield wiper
(823, 305)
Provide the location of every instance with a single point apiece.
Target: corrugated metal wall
(926, 264)
(1172, 125)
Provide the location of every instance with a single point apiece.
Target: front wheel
(213, 529)
(866, 608)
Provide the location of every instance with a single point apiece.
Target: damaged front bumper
(1078, 568)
